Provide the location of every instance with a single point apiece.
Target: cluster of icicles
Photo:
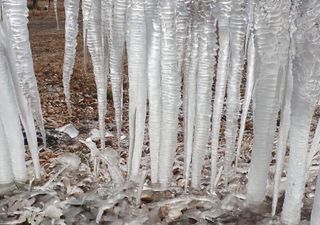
(175, 50)
(20, 101)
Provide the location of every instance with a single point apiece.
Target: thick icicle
(10, 122)
(191, 88)
(170, 91)
(306, 83)
(71, 33)
(94, 38)
(6, 178)
(117, 50)
(18, 34)
(268, 31)
(136, 48)
(55, 7)
(236, 61)
(221, 80)
(207, 53)
(25, 110)
(154, 82)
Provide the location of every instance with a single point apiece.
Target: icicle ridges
(170, 91)
(154, 84)
(136, 48)
(236, 61)
(306, 90)
(26, 97)
(205, 70)
(266, 92)
(117, 50)
(221, 81)
(71, 33)
(94, 39)
(191, 87)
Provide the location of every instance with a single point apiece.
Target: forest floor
(77, 196)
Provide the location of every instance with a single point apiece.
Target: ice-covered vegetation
(205, 62)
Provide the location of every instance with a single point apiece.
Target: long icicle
(250, 53)
(71, 33)
(221, 80)
(306, 90)
(16, 14)
(117, 50)
(191, 88)
(136, 47)
(207, 61)
(237, 42)
(285, 114)
(94, 38)
(154, 84)
(267, 91)
(170, 91)
(25, 110)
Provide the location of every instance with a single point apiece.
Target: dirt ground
(47, 45)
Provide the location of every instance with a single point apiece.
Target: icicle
(10, 123)
(182, 18)
(16, 18)
(221, 80)
(250, 11)
(55, 6)
(266, 100)
(106, 18)
(136, 48)
(284, 127)
(306, 90)
(25, 111)
(117, 50)
(154, 82)
(170, 91)
(86, 9)
(71, 33)
(250, 52)
(191, 89)
(16, 55)
(185, 70)
(237, 41)
(207, 53)
(248, 93)
(6, 178)
(94, 38)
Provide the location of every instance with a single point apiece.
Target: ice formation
(20, 104)
(71, 33)
(185, 50)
